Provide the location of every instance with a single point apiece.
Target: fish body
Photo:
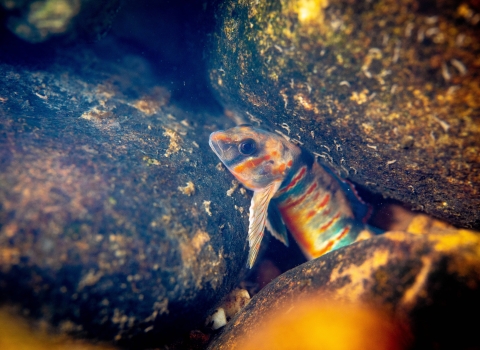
(291, 190)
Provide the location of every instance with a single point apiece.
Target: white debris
(217, 320)
(235, 301)
(390, 162)
(233, 188)
(206, 204)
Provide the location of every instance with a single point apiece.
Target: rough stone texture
(386, 92)
(40, 20)
(431, 282)
(114, 218)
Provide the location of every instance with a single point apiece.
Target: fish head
(255, 157)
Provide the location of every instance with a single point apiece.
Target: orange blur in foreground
(328, 326)
(17, 334)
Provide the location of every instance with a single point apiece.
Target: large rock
(385, 92)
(114, 217)
(37, 21)
(429, 282)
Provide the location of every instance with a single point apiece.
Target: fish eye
(247, 147)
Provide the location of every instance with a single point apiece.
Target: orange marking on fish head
(221, 137)
(267, 162)
(280, 170)
(250, 164)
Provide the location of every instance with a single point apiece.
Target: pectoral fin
(275, 224)
(258, 217)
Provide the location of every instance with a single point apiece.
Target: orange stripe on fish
(293, 202)
(223, 138)
(295, 180)
(342, 234)
(323, 203)
(330, 222)
(250, 163)
(326, 249)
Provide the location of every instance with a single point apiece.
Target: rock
(228, 307)
(115, 222)
(385, 92)
(313, 323)
(38, 21)
(16, 333)
(430, 282)
(235, 301)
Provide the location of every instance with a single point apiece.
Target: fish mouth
(214, 144)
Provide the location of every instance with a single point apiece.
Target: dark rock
(114, 218)
(431, 282)
(385, 92)
(38, 21)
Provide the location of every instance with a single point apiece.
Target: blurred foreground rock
(386, 92)
(114, 218)
(313, 323)
(16, 333)
(428, 285)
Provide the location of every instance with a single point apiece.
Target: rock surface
(385, 92)
(430, 282)
(114, 218)
(37, 21)
(313, 323)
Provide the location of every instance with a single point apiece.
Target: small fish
(290, 189)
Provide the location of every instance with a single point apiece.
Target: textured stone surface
(430, 282)
(114, 218)
(37, 21)
(385, 92)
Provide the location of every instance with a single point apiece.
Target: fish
(291, 191)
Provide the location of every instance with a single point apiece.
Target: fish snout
(216, 143)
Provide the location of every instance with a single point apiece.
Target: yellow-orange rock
(313, 323)
(430, 282)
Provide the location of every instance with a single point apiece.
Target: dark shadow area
(170, 35)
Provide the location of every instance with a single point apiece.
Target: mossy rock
(115, 222)
(429, 282)
(385, 92)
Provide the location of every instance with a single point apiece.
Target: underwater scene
(249, 174)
